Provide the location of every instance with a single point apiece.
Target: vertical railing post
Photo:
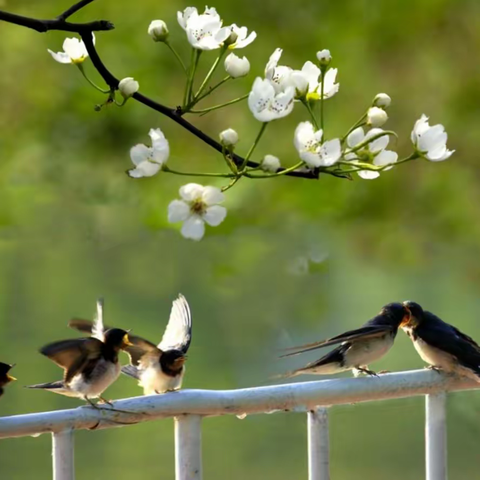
(188, 447)
(436, 436)
(62, 451)
(318, 445)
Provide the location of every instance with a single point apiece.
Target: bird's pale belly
(153, 380)
(433, 356)
(104, 374)
(368, 351)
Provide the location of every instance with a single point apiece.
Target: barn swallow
(158, 368)
(90, 364)
(358, 347)
(441, 345)
(4, 376)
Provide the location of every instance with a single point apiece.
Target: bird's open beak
(406, 318)
(126, 341)
(10, 378)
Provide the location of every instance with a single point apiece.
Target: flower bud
(229, 137)
(382, 100)
(270, 163)
(128, 86)
(324, 57)
(376, 117)
(158, 30)
(237, 67)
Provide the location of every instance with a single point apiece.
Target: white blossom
(236, 67)
(430, 142)
(204, 31)
(278, 75)
(128, 86)
(199, 205)
(270, 163)
(324, 57)
(330, 88)
(308, 143)
(229, 137)
(382, 100)
(239, 37)
(373, 152)
(158, 30)
(149, 160)
(376, 117)
(74, 51)
(306, 82)
(267, 105)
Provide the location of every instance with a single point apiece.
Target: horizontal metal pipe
(292, 397)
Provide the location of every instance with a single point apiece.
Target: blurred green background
(295, 260)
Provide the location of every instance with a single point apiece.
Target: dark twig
(85, 30)
(75, 8)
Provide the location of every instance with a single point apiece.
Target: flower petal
(178, 211)
(331, 152)
(215, 215)
(368, 174)
(144, 169)
(212, 195)
(385, 157)
(191, 191)
(378, 144)
(356, 137)
(60, 57)
(139, 153)
(193, 228)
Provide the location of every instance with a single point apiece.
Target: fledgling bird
(440, 344)
(358, 348)
(158, 368)
(4, 376)
(90, 364)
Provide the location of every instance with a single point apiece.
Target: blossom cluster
(362, 149)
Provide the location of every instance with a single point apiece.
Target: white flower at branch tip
(128, 86)
(149, 160)
(373, 152)
(199, 205)
(229, 137)
(330, 88)
(204, 31)
(430, 142)
(236, 67)
(382, 100)
(267, 105)
(376, 117)
(74, 51)
(239, 37)
(308, 143)
(278, 75)
(270, 163)
(158, 30)
(306, 82)
(324, 57)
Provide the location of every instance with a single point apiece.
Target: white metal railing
(189, 407)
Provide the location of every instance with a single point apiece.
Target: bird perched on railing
(158, 368)
(4, 376)
(358, 348)
(440, 344)
(90, 364)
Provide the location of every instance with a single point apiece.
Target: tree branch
(85, 30)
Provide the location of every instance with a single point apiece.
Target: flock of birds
(91, 364)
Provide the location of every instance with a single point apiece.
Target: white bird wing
(98, 329)
(178, 333)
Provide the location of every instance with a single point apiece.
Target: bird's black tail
(131, 371)
(48, 386)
